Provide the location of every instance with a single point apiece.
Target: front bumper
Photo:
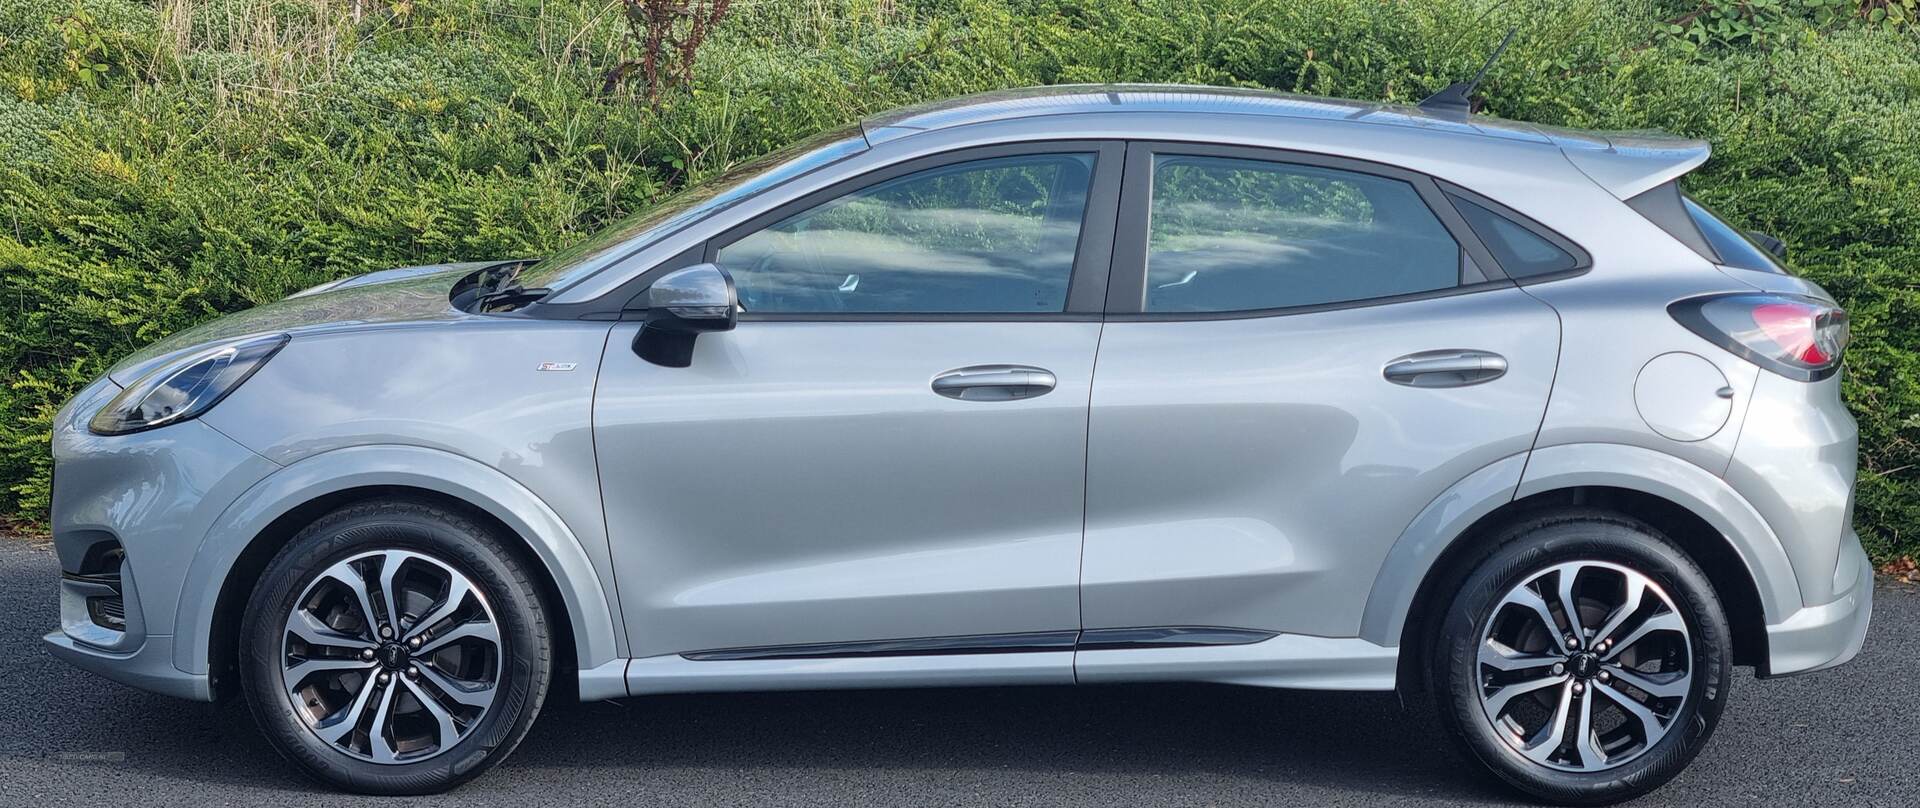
(148, 667)
(146, 500)
(1820, 637)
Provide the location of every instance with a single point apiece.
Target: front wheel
(1584, 660)
(395, 647)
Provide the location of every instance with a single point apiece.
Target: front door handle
(994, 383)
(1448, 368)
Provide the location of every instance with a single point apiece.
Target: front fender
(585, 600)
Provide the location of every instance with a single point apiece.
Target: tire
(1687, 669)
(484, 658)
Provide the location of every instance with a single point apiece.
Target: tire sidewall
(1532, 548)
(459, 543)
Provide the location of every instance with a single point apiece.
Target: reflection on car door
(891, 444)
(1301, 357)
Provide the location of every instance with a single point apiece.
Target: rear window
(1692, 224)
(1735, 249)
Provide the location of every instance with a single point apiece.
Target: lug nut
(413, 672)
(1606, 677)
(386, 632)
(415, 642)
(366, 654)
(384, 677)
(1573, 642)
(1578, 688)
(1559, 668)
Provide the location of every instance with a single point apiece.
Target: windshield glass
(691, 204)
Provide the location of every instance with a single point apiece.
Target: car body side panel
(1441, 523)
(472, 388)
(801, 482)
(1685, 484)
(589, 606)
(1255, 472)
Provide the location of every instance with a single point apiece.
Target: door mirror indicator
(682, 305)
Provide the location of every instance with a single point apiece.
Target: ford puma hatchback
(1064, 386)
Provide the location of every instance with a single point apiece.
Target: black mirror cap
(1769, 243)
(681, 306)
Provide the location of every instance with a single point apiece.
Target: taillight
(1797, 337)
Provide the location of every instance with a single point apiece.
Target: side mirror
(682, 305)
(1769, 243)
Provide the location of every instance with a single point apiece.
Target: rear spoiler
(1630, 165)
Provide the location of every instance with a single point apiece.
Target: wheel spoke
(299, 671)
(474, 630)
(449, 733)
(345, 573)
(1497, 702)
(1497, 655)
(1584, 741)
(1669, 686)
(1526, 598)
(457, 590)
(466, 693)
(390, 565)
(345, 721)
(1548, 738)
(382, 749)
(1636, 589)
(1651, 728)
(1664, 621)
(1569, 574)
(315, 633)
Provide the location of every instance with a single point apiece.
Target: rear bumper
(1821, 637)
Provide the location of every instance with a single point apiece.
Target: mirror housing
(682, 305)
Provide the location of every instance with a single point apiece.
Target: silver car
(1063, 386)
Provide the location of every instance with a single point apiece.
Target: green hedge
(162, 163)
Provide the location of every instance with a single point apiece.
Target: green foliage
(162, 162)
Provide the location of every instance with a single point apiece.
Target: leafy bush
(164, 162)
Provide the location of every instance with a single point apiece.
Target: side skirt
(1151, 654)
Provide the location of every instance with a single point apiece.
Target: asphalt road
(1845, 737)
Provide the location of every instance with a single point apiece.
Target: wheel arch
(260, 522)
(1712, 523)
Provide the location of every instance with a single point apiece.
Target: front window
(994, 236)
(691, 204)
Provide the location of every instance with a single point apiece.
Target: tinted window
(1234, 235)
(1520, 251)
(1732, 245)
(989, 236)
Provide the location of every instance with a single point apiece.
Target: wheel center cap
(393, 656)
(1584, 665)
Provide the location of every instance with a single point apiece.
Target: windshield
(689, 205)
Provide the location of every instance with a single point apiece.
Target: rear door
(1302, 352)
(891, 445)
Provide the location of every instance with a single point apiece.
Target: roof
(1624, 163)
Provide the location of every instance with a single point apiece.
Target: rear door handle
(994, 383)
(1447, 368)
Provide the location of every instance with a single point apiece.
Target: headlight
(185, 388)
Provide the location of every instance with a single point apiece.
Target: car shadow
(1354, 742)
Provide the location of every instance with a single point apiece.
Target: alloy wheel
(1584, 666)
(391, 656)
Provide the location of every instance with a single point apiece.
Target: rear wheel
(1584, 660)
(395, 647)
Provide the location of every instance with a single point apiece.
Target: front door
(891, 445)
(1304, 353)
